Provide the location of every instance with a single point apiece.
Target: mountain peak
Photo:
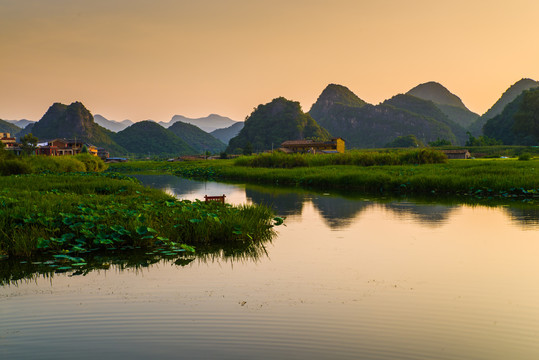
(507, 97)
(339, 94)
(275, 122)
(208, 123)
(437, 93)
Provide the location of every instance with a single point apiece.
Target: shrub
(424, 156)
(15, 167)
(92, 163)
(525, 156)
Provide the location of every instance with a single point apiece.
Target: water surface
(346, 278)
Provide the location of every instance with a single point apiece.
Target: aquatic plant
(70, 215)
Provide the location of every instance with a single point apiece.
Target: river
(345, 278)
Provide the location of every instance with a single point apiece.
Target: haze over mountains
(428, 111)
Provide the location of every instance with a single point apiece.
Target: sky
(138, 59)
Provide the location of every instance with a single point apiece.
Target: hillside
(518, 124)
(228, 133)
(70, 122)
(450, 104)
(198, 139)
(271, 124)
(150, 138)
(368, 126)
(333, 95)
(8, 127)
(508, 96)
(208, 124)
(20, 123)
(428, 109)
(112, 125)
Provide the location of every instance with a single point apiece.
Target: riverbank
(66, 216)
(497, 178)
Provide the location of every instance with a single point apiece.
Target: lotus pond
(346, 277)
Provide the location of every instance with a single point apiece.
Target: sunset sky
(138, 59)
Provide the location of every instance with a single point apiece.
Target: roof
(308, 142)
(464, 151)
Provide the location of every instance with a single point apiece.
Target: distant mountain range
(428, 111)
(9, 127)
(362, 125)
(208, 124)
(111, 124)
(20, 123)
(228, 133)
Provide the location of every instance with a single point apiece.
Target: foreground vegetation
(17, 165)
(68, 216)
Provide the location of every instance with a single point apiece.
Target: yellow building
(335, 145)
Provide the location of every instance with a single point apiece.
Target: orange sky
(138, 59)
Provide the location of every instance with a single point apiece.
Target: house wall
(340, 145)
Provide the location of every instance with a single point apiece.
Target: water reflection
(526, 216)
(283, 201)
(428, 214)
(14, 270)
(338, 210)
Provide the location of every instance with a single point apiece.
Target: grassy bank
(69, 215)
(17, 165)
(503, 178)
(357, 158)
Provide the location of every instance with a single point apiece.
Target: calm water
(344, 279)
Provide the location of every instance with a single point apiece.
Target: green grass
(505, 178)
(73, 214)
(358, 158)
(17, 165)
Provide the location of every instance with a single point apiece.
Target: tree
(440, 142)
(84, 150)
(481, 141)
(405, 141)
(29, 143)
(248, 149)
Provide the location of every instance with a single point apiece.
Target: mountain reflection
(338, 210)
(429, 214)
(282, 201)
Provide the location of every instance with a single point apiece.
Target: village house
(8, 140)
(59, 147)
(335, 145)
(457, 154)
